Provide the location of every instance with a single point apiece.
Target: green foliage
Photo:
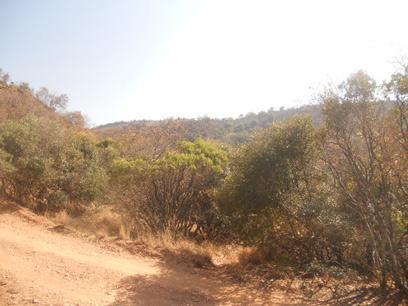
(49, 165)
(174, 192)
(277, 197)
(5, 165)
(271, 166)
(200, 155)
(83, 175)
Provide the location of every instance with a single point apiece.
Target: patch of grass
(101, 222)
(104, 222)
(180, 249)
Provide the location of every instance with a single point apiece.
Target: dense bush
(278, 199)
(337, 195)
(176, 191)
(366, 153)
(46, 165)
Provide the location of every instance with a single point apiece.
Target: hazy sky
(129, 59)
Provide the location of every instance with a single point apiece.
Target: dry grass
(102, 222)
(247, 266)
(180, 250)
(251, 266)
(252, 256)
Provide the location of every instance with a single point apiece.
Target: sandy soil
(40, 265)
(44, 264)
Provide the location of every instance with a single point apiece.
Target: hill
(228, 130)
(18, 101)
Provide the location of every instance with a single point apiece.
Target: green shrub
(277, 198)
(176, 191)
(46, 165)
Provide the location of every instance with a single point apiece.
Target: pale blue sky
(129, 59)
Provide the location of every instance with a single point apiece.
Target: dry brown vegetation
(18, 102)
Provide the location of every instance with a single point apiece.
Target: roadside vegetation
(318, 191)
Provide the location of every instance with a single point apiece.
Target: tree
(4, 77)
(46, 166)
(54, 101)
(369, 167)
(396, 91)
(274, 194)
(175, 192)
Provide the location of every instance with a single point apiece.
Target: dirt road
(39, 266)
(45, 264)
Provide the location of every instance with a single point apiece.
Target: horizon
(154, 61)
(272, 109)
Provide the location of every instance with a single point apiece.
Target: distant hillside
(18, 101)
(227, 130)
